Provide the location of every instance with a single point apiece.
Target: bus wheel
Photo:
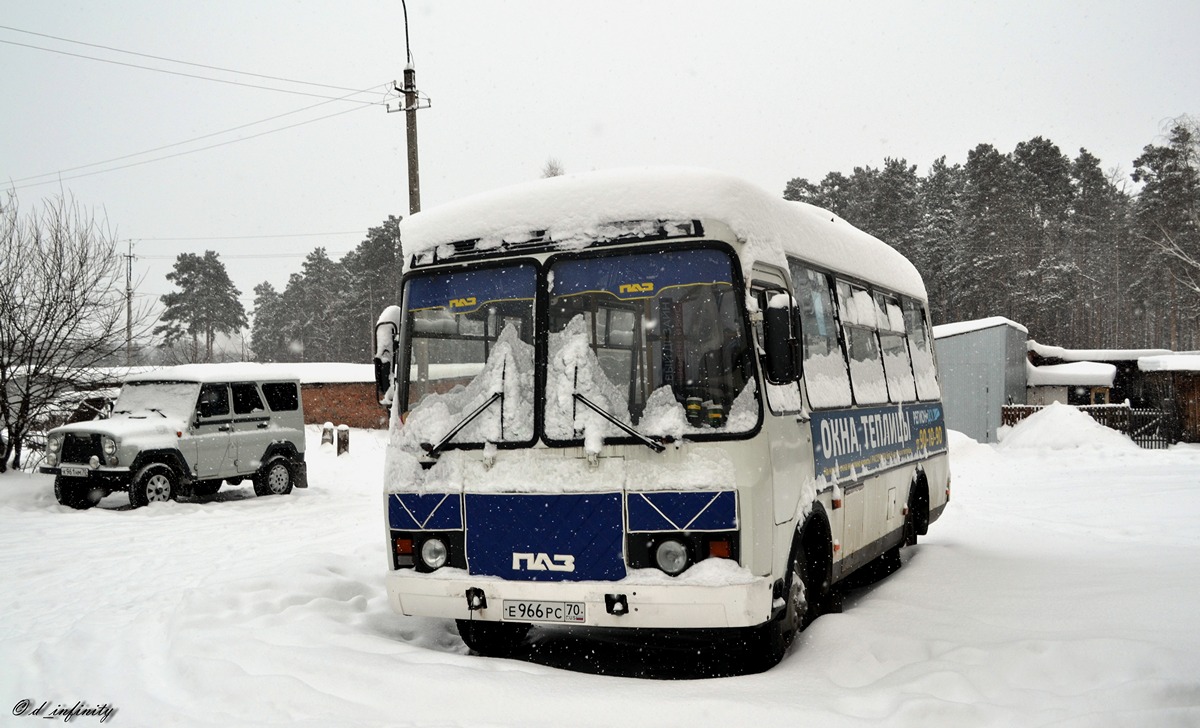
(492, 639)
(767, 643)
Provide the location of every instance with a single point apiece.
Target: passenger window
(246, 399)
(825, 374)
(214, 400)
(896, 363)
(920, 344)
(859, 319)
(282, 396)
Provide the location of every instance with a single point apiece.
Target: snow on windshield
(507, 371)
(571, 368)
(174, 399)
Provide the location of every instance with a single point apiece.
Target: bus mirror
(779, 343)
(386, 330)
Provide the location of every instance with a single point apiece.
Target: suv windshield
(656, 340)
(173, 399)
(469, 339)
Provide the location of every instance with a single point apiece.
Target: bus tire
(767, 643)
(916, 523)
(492, 639)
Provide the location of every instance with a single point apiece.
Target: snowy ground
(1058, 589)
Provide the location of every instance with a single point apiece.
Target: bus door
(785, 422)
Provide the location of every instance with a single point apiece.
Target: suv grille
(80, 448)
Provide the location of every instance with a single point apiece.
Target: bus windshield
(469, 339)
(656, 340)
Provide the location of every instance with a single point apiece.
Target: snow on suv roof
(571, 207)
(232, 372)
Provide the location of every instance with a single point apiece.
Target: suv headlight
(53, 443)
(110, 445)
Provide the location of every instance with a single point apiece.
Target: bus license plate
(74, 472)
(521, 611)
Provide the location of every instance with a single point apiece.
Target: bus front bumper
(605, 603)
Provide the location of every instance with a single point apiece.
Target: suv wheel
(73, 494)
(275, 478)
(155, 483)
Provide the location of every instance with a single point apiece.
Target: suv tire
(155, 483)
(275, 478)
(72, 493)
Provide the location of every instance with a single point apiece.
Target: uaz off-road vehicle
(182, 431)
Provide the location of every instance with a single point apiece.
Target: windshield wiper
(160, 412)
(433, 450)
(655, 446)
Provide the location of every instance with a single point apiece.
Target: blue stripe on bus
(641, 275)
(454, 290)
(425, 512)
(852, 444)
(545, 537)
(682, 511)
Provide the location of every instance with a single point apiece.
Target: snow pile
(1062, 427)
(1016, 610)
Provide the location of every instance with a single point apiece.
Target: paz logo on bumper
(544, 562)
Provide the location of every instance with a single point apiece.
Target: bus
(651, 398)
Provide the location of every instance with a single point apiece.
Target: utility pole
(129, 305)
(410, 118)
(412, 102)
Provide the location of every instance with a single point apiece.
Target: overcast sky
(765, 90)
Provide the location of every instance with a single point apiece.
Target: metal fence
(1149, 428)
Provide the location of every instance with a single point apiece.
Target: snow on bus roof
(570, 207)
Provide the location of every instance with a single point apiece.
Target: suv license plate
(74, 472)
(521, 611)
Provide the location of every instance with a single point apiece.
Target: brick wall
(343, 404)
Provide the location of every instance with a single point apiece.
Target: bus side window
(825, 375)
(896, 363)
(920, 345)
(859, 320)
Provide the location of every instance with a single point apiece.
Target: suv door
(251, 423)
(212, 433)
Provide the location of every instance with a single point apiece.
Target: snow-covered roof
(1057, 352)
(941, 331)
(1073, 374)
(571, 208)
(307, 373)
(1170, 363)
(236, 371)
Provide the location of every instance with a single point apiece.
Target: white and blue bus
(656, 398)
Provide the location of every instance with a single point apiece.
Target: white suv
(182, 431)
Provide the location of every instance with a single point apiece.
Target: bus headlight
(671, 556)
(53, 444)
(434, 553)
(110, 445)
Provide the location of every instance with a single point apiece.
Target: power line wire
(180, 154)
(253, 237)
(169, 146)
(172, 60)
(190, 75)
